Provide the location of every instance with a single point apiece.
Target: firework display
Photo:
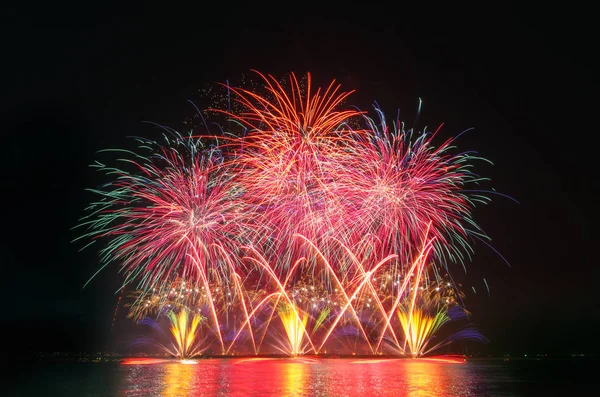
(308, 228)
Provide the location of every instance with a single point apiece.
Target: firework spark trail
(240, 292)
(417, 266)
(112, 324)
(285, 284)
(261, 262)
(259, 306)
(348, 304)
(373, 291)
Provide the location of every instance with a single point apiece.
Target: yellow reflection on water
(425, 379)
(178, 379)
(295, 376)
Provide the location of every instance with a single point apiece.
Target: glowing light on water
(142, 361)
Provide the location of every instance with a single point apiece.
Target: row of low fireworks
(305, 228)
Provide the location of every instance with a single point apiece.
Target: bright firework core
(308, 230)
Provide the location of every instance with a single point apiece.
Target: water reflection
(294, 377)
(424, 379)
(340, 377)
(297, 378)
(178, 380)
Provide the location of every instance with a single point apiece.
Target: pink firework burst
(287, 161)
(172, 213)
(397, 182)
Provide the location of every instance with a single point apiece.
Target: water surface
(306, 377)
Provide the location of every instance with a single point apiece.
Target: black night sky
(80, 78)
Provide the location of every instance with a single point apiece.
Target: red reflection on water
(372, 361)
(302, 360)
(449, 359)
(275, 377)
(142, 361)
(297, 377)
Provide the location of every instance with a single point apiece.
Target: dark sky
(79, 78)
